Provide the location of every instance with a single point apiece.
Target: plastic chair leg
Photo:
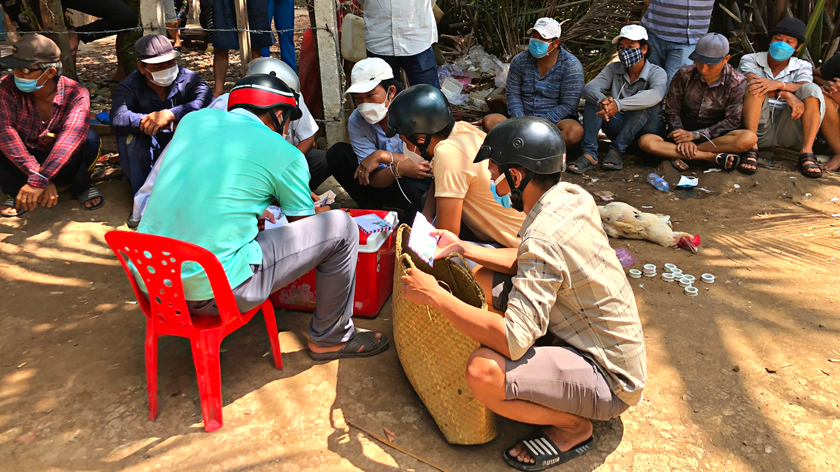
(151, 369)
(205, 351)
(271, 325)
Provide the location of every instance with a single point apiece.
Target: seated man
(149, 103)
(459, 199)
(704, 108)
(827, 76)
(245, 165)
(782, 105)
(636, 87)
(45, 135)
(563, 279)
(378, 171)
(544, 81)
(301, 133)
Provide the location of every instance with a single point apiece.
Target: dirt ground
(739, 378)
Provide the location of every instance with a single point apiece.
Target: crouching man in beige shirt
(565, 279)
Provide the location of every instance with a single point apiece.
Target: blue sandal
(545, 453)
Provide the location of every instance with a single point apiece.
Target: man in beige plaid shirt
(563, 278)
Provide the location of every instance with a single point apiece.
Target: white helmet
(277, 68)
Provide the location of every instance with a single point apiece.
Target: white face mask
(373, 112)
(164, 78)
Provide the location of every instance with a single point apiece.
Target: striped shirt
(554, 96)
(570, 283)
(679, 21)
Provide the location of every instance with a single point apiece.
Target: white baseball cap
(548, 28)
(632, 32)
(367, 74)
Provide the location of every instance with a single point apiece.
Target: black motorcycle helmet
(531, 142)
(265, 92)
(419, 110)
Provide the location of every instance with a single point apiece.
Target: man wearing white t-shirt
(402, 33)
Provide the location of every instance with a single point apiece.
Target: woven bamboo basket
(434, 353)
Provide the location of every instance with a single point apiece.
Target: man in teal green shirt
(222, 170)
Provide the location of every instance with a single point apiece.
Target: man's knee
(745, 141)
(809, 90)
(339, 158)
(343, 224)
(484, 374)
(571, 130)
(646, 142)
(491, 120)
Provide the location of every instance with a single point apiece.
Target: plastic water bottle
(658, 182)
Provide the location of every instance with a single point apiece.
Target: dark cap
(32, 49)
(711, 49)
(154, 49)
(790, 27)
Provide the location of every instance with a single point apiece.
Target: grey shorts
(560, 378)
(777, 129)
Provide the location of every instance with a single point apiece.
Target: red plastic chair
(158, 260)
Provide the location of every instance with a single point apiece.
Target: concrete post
(332, 84)
(152, 17)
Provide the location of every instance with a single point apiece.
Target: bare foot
(217, 92)
(589, 158)
(336, 347)
(92, 202)
(565, 439)
(833, 165)
(8, 211)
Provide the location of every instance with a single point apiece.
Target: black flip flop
(612, 161)
(721, 159)
(10, 203)
(89, 195)
(582, 163)
(808, 161)
(545, 453)
(749, 158)
(366, 339)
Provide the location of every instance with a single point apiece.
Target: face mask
(781, 51)
(373, 113)
(538, 48)
(29, 85)
(630, 57)
(503, 200)
(164, 78)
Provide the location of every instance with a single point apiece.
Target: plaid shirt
(569, 282)
(21, 128)
(554, 96)
(711, 110)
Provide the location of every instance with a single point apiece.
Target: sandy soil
(739, 377)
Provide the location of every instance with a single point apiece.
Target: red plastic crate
(374, 274)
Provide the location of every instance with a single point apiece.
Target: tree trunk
(52, 18)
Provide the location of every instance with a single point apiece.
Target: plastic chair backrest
(158, 261)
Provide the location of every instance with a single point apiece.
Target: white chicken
(621, 220)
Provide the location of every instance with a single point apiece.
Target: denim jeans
(622, 129)
(419, 68)
(667, 55)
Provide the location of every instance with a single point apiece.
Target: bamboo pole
(244, 35)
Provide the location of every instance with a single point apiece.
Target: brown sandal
(749, 158)
(808, 161)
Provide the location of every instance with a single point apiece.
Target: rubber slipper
(10, 203)
(89, 195)
(808, 161)
(582, 163)
(365, 339)
(612, 161)
(545, 453)
(679, 164)
(721, 159)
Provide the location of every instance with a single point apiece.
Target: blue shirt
(222, 170)
(367, 138)
(134, 99)
(554, 96)
(678, 21)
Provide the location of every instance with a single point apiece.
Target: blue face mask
(538, 48)
(781, 51)
(28, 85)
(503, 201)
